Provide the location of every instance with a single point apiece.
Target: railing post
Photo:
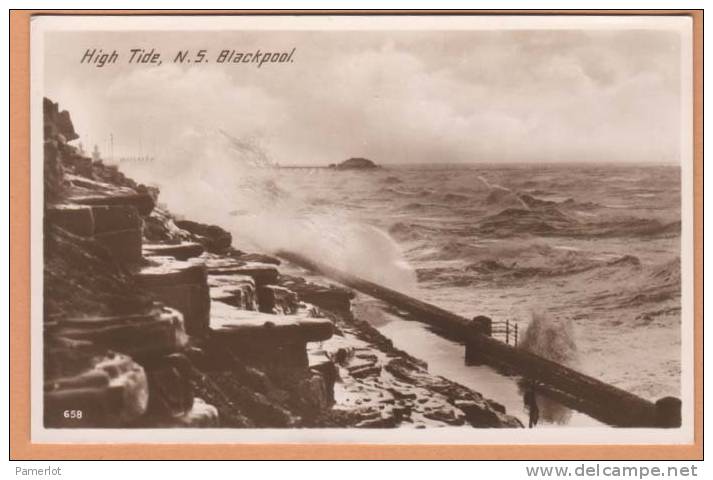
(483, 326)
(507, 331)
(516, 334)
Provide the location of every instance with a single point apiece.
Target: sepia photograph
(362, 229)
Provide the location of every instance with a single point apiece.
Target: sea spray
(551, 338)
(213, 177)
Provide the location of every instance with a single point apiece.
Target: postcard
(393, 229)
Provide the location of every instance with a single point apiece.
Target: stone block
(124, 245)
(331, 298)
(240, 295)
(274, 299)
(329, 372)
(143, 202)
(181, 251)
(212, 237)
(76, 219)
(167, 271)
(156, 333)
(231, 324)
(111, 393)
(191, 300)
(183, 286)
(263, 274)
(112, 218)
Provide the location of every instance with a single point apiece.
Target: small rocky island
(355, 163)
(151, 320)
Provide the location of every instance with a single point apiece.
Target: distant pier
(604, 402)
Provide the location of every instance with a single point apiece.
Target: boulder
(446, 414)
(201, 415)
(112, 392)
(159, 227)
(331, 298)
(212, 237)
(478, 414)
(313, 392)
(170, 387)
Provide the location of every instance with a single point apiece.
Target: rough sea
(591, 250)
(584, 259)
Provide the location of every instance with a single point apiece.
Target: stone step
(262, 273)
(111, 393)
(112, 218)
(279, 300)
(181, 285)
(236, 290)
(181, 251)
(159, 332)
(116, 228)
(232, 324)
(332, 298)
(143, 202)
(76, 219)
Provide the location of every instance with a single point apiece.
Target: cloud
(403, 97)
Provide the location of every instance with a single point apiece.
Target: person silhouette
(530, 401)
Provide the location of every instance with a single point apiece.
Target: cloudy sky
(392, 96)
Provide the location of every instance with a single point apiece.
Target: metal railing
(506, 330)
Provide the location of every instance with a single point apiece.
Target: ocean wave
(515, 221)
(549, 221)
(454, 198)
(569, 263)
(392, 180)
(403, 192)
(658, 284)
(402, 231)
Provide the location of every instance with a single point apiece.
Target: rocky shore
(155, 321)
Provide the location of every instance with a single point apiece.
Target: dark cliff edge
(155, 321)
